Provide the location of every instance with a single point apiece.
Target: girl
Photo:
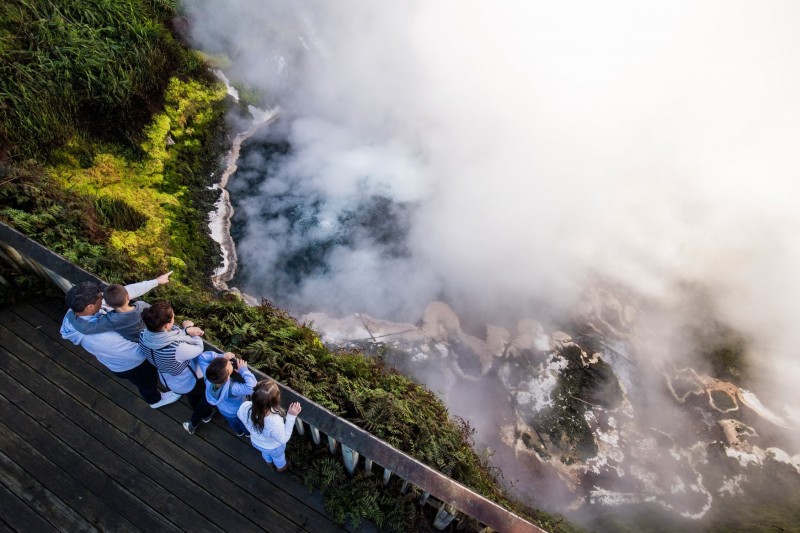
(269, 433)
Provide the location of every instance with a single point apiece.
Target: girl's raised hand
(294, 408)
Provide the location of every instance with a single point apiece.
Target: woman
(171, 350)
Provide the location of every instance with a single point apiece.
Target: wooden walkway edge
(81, 451)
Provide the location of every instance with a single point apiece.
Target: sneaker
(285, 467)
(243, 434)
(207, 419)
(189, 427)
(166, 399)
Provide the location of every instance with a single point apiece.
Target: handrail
(453, 496)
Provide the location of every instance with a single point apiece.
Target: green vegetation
(563, 423)
(79, 83)
(726, 351)
(129, 212)
(92, 68)
(117, 214)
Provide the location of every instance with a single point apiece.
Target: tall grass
(72, 66)
(116, 213)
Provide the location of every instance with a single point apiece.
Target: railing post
(386, 475)
(299, 425)
(445, 515)
(331, 445)
(368, 465)
(11, 256)
(424, 498)
(64, 284)
(315, 435)
(350, 457)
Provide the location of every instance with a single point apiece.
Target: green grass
(78, 68)
(118, 214)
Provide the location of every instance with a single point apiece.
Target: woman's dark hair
(266, 399)
(158, 314)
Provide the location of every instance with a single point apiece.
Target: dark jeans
(145, 377)
(236, 425)
(197, 399)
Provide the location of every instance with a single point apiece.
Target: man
(121, 356)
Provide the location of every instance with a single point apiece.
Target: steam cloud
(540, 144)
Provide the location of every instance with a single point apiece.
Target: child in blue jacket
(228, 382)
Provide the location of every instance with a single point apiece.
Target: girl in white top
(269, 432)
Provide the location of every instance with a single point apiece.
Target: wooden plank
(32, 409)
(83, 475)
(38, 497)
(39, 314)
(18, 516)
(102, 484)
(37, 466)
(185, 458)
(44, 310)
(236, 448)
(222, 512)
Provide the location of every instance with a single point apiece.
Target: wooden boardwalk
(81, 451)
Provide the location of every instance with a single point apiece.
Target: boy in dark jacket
(125, 319)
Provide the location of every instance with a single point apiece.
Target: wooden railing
(450, 498)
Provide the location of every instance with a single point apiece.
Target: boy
(125, 319)
(228, 382)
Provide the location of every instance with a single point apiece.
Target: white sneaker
(166, 399)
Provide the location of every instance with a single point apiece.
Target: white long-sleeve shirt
(136, 289)
(277, 431)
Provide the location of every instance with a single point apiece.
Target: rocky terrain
(595, 419)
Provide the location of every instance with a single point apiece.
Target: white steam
(654, 144)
